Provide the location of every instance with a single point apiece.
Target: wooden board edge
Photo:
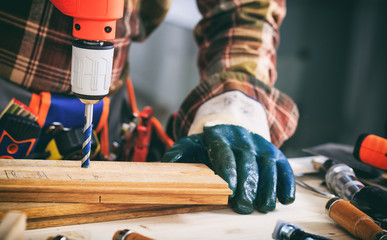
(170, 199)
(116, 215)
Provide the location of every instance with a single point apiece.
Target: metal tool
(87, 132)
(59, 237)
(342, 180)
(342, 153)
(288, 231)
(353, 220)
(313, 189)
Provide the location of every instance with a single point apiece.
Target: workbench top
(306, 212)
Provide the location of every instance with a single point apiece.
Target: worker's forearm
(240, 36)
(237, 51)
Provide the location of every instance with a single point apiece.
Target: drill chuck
(91, 70)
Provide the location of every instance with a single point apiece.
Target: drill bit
(87, 131)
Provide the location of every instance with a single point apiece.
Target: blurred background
(331, 61)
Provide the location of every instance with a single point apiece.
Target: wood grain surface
(59, 193)
(110, 182)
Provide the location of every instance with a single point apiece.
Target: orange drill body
(93, 19)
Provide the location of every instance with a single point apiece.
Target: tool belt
(142, 137)
(50, 126)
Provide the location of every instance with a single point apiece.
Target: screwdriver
(353, 220)
(342, 180)
(127, 234)
(289, 231)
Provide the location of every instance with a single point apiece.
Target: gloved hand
(256, 171)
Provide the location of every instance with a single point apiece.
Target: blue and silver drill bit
(87, 131)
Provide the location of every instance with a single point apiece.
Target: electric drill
(92, 56)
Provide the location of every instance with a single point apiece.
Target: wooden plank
(117, 215)
(45, 210)
(307, 212)
(58, 193)
(53, 215)
(110, 182)
(104, 166)
(116, 198)
(117, 182)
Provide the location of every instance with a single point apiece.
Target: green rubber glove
(256, 171)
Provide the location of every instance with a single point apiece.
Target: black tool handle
(298, 234)
(371, 198)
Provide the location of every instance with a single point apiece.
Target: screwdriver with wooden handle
(353, 220)
(341, 179)
(127, 234)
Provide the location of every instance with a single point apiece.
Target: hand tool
(288, 231)
(140, 132)
(17, 108)
(129, 235)
(342, 180)
(313, 189)
(144, 131)
(342, 153)
(58, 237)
(92, 56)
(353, 220)
(371, 149)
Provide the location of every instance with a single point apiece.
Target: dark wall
(335, 53)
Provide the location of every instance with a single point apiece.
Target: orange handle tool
(129, 235)
(371, 149)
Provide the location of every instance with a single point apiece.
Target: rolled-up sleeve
(238, 41)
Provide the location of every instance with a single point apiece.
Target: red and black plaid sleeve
(35, 50)
(237, 42)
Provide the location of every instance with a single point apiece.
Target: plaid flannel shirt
(237, 42)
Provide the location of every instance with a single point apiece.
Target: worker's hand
(256, 171)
